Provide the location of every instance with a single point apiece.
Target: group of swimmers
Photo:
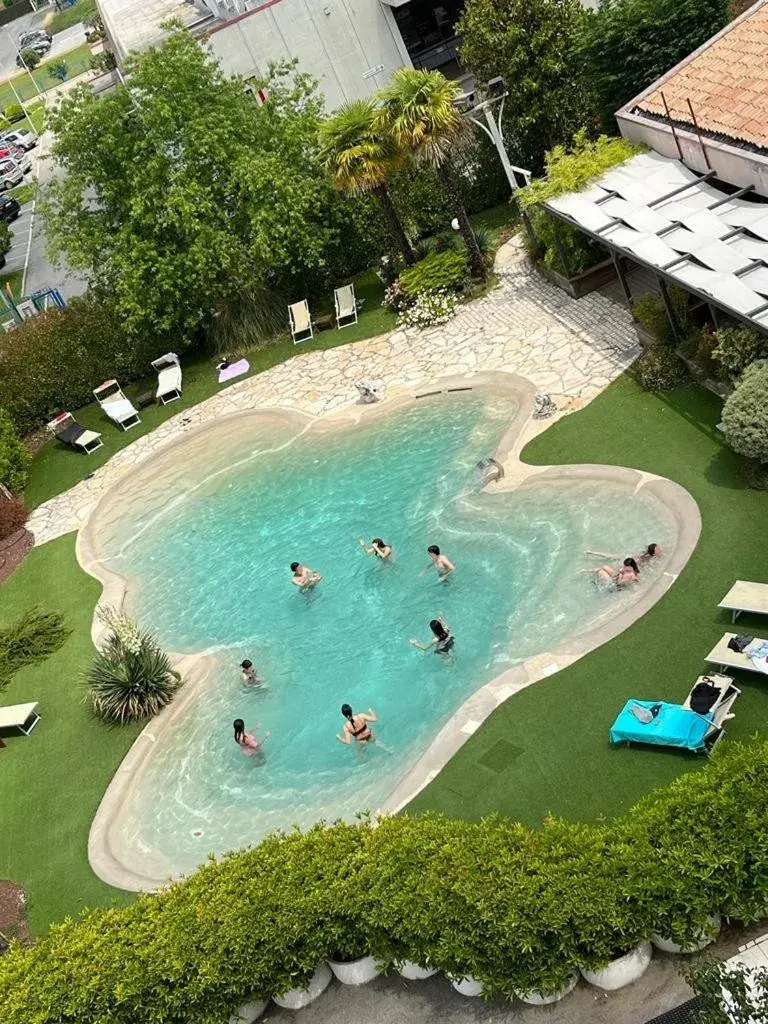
(356, 726)
(625, 574)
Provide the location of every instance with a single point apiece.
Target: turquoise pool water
(207, 559)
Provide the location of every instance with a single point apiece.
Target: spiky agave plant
(130, 678)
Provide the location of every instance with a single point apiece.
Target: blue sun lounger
(674, 726)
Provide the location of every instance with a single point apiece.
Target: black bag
(703, 696)
(739, 642)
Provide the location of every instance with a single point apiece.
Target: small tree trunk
(447, 176)
(395, 225)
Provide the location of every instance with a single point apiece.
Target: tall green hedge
(517, 909)
(14, 457)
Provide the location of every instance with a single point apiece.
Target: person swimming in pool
(378, 547)
(248, 743)
(443, 564)
(442, 639)
(250, 675)
(303, 577)
(356, 727)
(606, 576)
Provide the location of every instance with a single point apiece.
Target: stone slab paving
(569, 348)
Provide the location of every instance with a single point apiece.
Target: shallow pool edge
(196, 668)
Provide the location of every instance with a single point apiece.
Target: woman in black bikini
(356, 726)
(442, 640)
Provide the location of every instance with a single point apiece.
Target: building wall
(350, 46)
(730, 163)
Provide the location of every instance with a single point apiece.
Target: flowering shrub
(429, 308)
(395, 298)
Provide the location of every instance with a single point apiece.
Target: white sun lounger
(346, 305)
(722, 708)
(110, 397)
(23, 717)
(746, 597)
(722, 655)
(66, 428)
(168, 377)
(301, 321)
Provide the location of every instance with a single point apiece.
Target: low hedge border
(517, 909)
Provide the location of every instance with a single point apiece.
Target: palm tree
(359, 156)
(419, 112)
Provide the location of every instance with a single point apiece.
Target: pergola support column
(668, 306)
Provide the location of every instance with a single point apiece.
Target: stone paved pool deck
(567, 348)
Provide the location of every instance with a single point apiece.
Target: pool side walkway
(569, 349)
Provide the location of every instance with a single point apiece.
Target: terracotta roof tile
(727, 84)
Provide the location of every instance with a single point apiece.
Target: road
(9, 34)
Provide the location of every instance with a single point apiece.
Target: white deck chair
(722, 709)
(301, 321)
(113, 402)
(745, 596)
(346, 305)
(725, 658)
(66, 428)
(168, 377)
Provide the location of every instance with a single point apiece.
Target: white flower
(430, 308)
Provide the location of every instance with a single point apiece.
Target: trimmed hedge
(515, 908)
(53, 361)
(438, 270)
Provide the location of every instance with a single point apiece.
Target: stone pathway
(568, 348)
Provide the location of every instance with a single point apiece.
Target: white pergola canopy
(664, 215)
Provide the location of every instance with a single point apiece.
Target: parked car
(34, 35)
(21, 137)
(9, 208)
(10, 174)
(22, 158)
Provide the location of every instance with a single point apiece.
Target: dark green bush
(517, 909)
(745, 414)
(30, 639)
(659, 369)
(52, 362)
(31, 58)
(13, 112)
(737, 347)
(438, 270)
(14, 457)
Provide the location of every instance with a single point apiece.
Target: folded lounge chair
(301, 322)
(168, 377)
(677, 725)
(66, 428)
(110, 397)
(722, 655)
(746, 597)
(346, 305)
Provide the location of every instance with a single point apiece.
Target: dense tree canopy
(533, 44)
(179, 189)
(628, 44)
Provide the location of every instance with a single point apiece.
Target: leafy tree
(178, 190)
(57, 69)
(359, 157)
(419, 112)
(628, 44)
(745, 414)
(533, 45)
(30, 58)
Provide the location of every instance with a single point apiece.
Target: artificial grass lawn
(77, 60)
(546, 749)
(52, 781)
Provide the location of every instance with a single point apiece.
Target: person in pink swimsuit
(248, 743)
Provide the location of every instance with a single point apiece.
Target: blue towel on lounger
(674, 726)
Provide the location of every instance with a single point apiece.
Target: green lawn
(51, 783)
(80, 11)
(24, 193)
(554, 735)
(56, 468)
(76, 59)
(14, 278)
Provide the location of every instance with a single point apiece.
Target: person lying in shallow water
(442, 639)
(378, 547)
(303, 577)
(628, 572)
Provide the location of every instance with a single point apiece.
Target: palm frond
(356, 153)
(418, 111)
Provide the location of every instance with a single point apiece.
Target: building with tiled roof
(711, 110)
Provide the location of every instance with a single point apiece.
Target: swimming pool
(205, 539)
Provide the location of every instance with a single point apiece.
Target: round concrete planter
(355, 972)
(249, 1012)
(468, 987)
(623, 971)
(300, 997)
(706, 936)
(539, 999)
(408, 969)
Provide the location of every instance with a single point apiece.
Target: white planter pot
(408, 969)
(707, 935)
(537, 999)
(249, 1012)
(300, 997)
(355, 972)
(621, 972)
(468, 987)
